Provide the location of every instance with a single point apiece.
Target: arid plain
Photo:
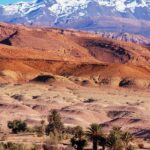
(87, 78)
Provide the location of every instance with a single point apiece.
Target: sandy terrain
(128, 108)
(88, 78)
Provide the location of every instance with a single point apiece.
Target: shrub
(11, 146)
(17, 126)
(15, 146)
(72, 130)
(69, 130)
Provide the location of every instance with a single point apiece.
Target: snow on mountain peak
(65, 6)
(51, 12)
(62, 6)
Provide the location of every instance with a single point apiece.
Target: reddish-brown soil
(36, 50)
(54, 68)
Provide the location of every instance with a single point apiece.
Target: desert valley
(88, 78)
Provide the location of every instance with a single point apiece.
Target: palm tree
(94, 132)
(102, 141)
(78, 142)
(127, 138)
(79, 133)
(114, 140)
(117, 131)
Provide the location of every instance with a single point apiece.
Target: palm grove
(93, 136)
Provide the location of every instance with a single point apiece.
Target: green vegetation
(94, 132)
(11, 146)
(55, 133)
(127, 138)
(55, 124)
(78, 141)
(114, 141)
(14, 146)
(17, 126)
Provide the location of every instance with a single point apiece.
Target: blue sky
(11, 1)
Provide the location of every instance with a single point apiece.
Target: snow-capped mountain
(80, 14)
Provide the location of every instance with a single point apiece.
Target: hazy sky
(11, 1)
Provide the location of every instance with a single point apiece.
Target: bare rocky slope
(31, 51)
(124, 36)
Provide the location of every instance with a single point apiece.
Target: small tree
(78, 141)
(17, 126)
(54, 123)
(114, 140)
(78, 132)
(94, 132)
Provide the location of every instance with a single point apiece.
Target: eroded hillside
(88, 78)
(28, 52)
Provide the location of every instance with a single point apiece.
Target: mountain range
(131, 16)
